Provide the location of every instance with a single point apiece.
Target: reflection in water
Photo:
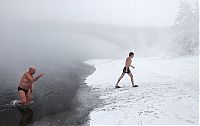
(26, 116)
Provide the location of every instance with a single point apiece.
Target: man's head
(32, 70)
(131, 54)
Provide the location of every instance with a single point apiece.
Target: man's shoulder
(128, 58)
(27, 73)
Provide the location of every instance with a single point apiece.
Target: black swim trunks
(19, 88)
(128, 70)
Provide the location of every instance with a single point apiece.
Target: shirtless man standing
(25, 86)
(127, 70)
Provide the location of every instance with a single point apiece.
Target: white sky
(125, 12)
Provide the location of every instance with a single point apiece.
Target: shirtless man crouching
(25, 86)
(127, 70)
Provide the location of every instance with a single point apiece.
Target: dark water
(60, 98)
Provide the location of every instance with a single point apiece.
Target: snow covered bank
(168, 92)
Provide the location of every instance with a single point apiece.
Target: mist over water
(56, 37)
(58, 54)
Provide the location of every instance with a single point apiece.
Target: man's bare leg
(131, 76)
(29, 96)
(122, 75)
(22, 96)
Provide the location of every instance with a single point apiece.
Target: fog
(57, 36)
(81, 29)
(124, 12)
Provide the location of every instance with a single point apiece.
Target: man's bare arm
(32, 79)
(132, 66)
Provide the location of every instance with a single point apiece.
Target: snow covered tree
(186, 30)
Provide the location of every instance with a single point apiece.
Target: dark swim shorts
(128, 70)
(19, 88)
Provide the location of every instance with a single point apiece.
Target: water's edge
(61, 98)
(87, 99)
(84, 101)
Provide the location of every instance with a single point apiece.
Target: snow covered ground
(168, 92)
